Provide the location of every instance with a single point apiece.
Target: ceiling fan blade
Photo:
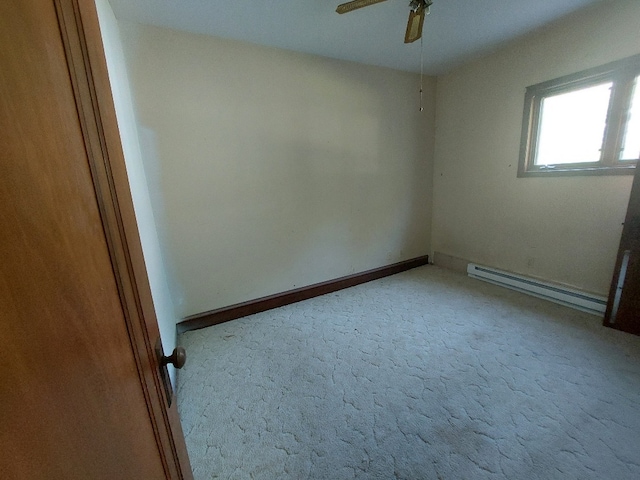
(414, 25)
(355, 4)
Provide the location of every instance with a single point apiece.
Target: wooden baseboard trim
(220, 315)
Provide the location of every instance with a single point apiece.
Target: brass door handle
(177, 358)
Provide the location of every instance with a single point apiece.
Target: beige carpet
(424, 375)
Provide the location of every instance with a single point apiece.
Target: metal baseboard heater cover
(586, 302)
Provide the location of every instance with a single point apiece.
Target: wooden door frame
(630, 232)
(80, 30)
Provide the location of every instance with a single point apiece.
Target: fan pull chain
(421, 71)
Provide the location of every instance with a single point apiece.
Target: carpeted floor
(424, 375)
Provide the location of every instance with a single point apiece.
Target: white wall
(137, 180)
(274, 169)
(561, 229)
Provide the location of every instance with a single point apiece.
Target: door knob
(177, 358)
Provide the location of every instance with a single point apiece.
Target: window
(583, 124)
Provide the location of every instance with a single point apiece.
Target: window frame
(622, 73)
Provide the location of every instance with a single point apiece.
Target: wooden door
(81, 394)
(623, 307)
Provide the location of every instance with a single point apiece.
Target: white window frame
(622, 74)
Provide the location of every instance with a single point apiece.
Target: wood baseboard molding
(220, 315)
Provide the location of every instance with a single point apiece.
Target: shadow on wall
(148, 140)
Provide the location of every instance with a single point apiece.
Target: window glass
(572, 126)
(584, 123)
(631, 145)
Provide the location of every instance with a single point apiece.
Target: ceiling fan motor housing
(418, 9)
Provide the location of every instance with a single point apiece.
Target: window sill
(580, 171)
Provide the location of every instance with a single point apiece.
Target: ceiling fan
(418, 9)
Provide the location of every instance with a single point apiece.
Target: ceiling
(456, 30)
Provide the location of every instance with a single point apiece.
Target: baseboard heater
(569, 297)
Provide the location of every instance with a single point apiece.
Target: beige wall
(272, 170)
(560, 229)
(152, 252)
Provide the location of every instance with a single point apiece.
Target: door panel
(623, 308)
(80, 395)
